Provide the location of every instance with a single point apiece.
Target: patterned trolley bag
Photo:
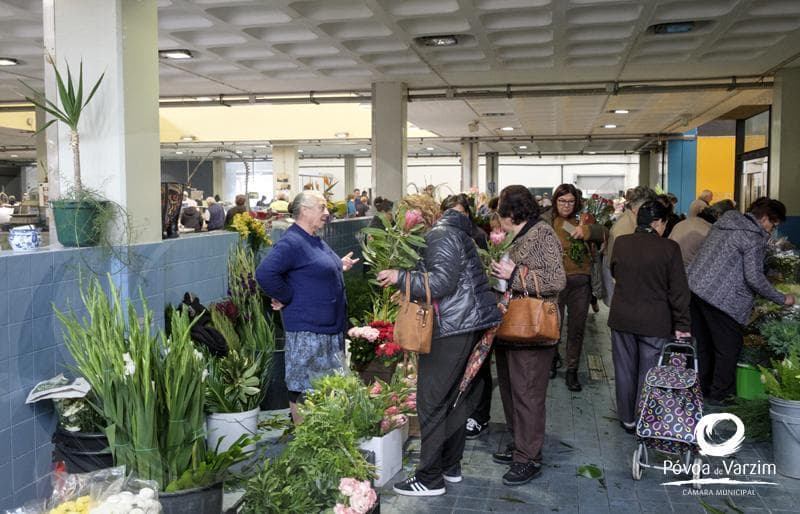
(670, 406)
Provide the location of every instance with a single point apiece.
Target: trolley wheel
(697, 465)
(636, 468)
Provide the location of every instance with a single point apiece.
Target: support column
(223, 183)
(389, 146)
(492, 167)
(119, 130)
(784, 158)
(469, 165)
(644, 169)
(349, 174)
(285, 166)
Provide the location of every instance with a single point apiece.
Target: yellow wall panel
(715, 166)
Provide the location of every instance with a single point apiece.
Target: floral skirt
(310, 355)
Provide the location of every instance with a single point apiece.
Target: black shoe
(595, 305)
(413, 487)
(504, 457)
(453, 474)
(522, 473)
(628, 427)
(474, 428)
(555, 365)
(572, 380)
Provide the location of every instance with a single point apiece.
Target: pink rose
(385, 426)
(410, 405)
(391, 411)
(412, 397)
(342, 509)
(395, 398)
(361, 503)
(413, 218)
(376, 389)
(348, 486)
(496, 237)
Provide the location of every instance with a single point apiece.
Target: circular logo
(705, 427)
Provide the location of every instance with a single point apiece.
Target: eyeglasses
(565, 202)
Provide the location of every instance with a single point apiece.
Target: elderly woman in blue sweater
(303, 276)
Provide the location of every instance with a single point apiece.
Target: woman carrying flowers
(464, 308)
(575, 239)
(303, 276)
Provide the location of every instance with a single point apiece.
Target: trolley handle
(683, 346)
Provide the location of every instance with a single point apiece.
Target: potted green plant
(81, 214)
(782, 383)
(149, 388)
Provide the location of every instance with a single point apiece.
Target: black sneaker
(572, 380)
(504, 457)
(453, 474)
(474, 429)
(628, 427)
(413, 487)
(522, 473)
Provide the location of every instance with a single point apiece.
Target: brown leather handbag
(530, 320)
(413, 327)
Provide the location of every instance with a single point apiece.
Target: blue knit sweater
(303, 272)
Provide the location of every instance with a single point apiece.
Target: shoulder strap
(427, 289)
(536, 284)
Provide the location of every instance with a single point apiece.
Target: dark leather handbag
(413, 327)
(528, 319)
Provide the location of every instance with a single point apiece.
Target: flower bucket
(81, 452)
(748, 382)
(229, 427)
(277, 396)
(413, 426)
(199, 500)
(388, 450)
(376, 369)
(785, 415)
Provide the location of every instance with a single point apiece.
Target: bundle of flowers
(396, 400)
(499, 241)
(375, 340)
(252, 231)
(359, 496)
(597, 210)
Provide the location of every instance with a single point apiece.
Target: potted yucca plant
(80, 214)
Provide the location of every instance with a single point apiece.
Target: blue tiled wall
(31, 346)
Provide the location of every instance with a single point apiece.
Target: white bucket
(229, 427)
(388, 451)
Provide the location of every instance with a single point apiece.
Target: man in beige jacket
(701, 203)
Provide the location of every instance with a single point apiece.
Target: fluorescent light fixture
(300, 150)
(177, 54)
(609, 126)
(507, 129)
(591, 153)
(341, 135)
(523, 147)
(8, 61)
(620, 111)
(187, 138)
(363, 150)
(178, 152)
(204, 99)
(437, 41)
(13, 155)
(429, 148)
(260, 146)
(675, 27)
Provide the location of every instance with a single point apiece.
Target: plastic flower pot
(748, 382)
(81, 452)
(75, 222)
(388, 450)
(785, 415)
(199, 500)
(229, 427)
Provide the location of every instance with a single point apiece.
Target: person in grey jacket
(464, 308)
(724, 278)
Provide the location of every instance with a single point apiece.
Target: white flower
(130, 367)
(203, 377)
(788, 363)
(198, 355)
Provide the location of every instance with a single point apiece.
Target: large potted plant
(80, 214)
(149, 388)
(782, 383)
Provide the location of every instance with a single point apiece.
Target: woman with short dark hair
(522, 369)
(650, 304)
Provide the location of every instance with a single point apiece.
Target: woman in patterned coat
(523, 370)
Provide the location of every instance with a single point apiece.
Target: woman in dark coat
(464, 308)
(650, 304)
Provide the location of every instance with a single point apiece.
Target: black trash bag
(203, 333)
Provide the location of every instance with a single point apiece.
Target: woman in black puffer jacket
(464, 308)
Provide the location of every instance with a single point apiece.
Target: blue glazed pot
(26, 237)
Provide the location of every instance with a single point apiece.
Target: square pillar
(469, 165)
(389, 146)
(784, 156)
(285, 170)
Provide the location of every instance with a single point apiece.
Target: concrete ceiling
(277, 46)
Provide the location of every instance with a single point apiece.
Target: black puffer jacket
(458, 283)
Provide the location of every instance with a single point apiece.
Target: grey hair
(308, 199)
(640, 195)
(210, 200)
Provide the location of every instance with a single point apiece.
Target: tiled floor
(582, 429)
